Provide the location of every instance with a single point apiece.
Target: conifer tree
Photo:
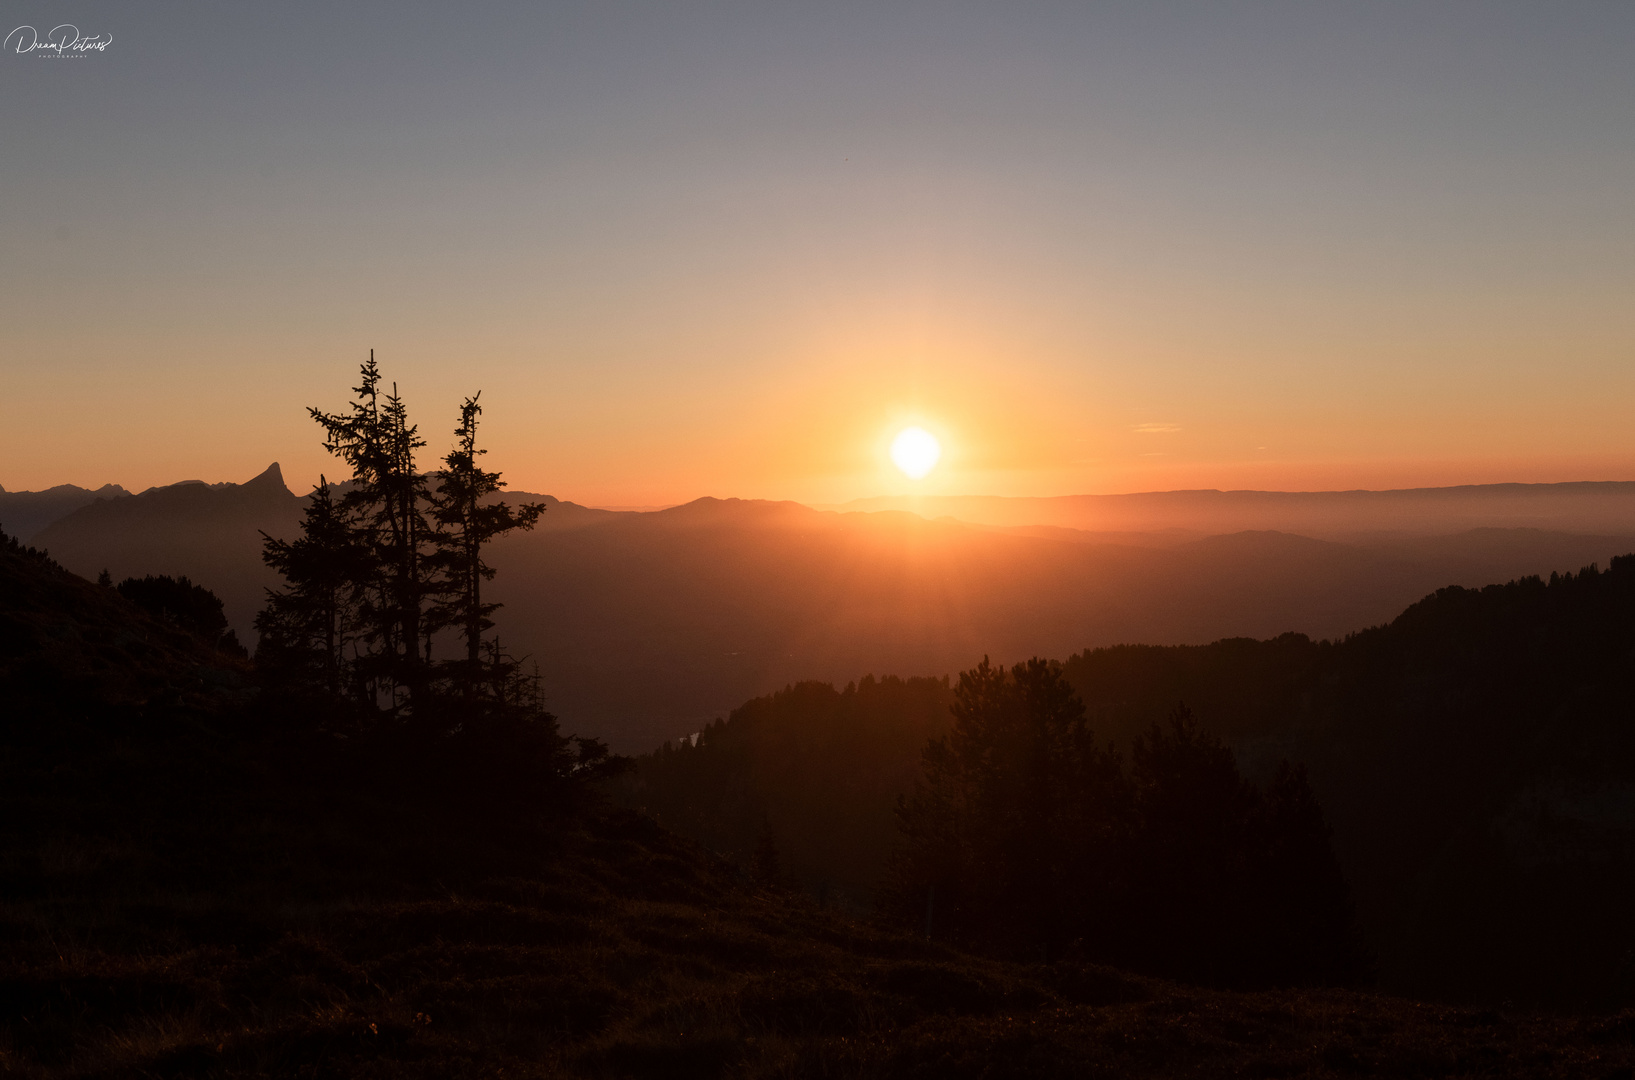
(1016, 815)
(467, 519)
(308, 624)
(378, 573)
(384, 508)
(1031, 839)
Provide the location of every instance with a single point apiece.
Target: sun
(915, 451)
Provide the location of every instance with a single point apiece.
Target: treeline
(988, 815)
(178, 601)
(1029, 837)
(1474, 758)
(814, 769)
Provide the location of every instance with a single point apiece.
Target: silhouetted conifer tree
(1188, 853)
(466, 520)
(308, 625)
(1233, 884)
(1304, 909)
(1017, 817)
(386, 512)
(378, 572)
(353, 615)
(1033, 839)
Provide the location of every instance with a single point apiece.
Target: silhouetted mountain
(209, 533)
(648, 625)
(25, 513)
(651, 624)
(1597, 507)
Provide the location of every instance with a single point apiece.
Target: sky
(733, 249)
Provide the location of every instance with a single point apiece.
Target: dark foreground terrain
(193, 883)
(198, 929)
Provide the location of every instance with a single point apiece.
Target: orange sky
(1134, 250)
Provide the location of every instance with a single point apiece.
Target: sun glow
(915, 451)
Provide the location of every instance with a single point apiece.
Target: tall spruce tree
(1015, 822)
(385, 512)
(307, 625)
(468, 518)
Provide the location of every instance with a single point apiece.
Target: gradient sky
(730, 249)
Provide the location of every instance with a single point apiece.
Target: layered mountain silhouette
(647, 624)
(24, 513)
(209, 533)
(1591, 507)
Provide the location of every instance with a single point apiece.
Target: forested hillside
(816, 769)
(1475, 757)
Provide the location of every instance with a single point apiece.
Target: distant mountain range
(24, 513)
(1597, 507)
(647, 624)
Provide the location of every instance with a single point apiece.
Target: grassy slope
(186, 889)
(615, 950)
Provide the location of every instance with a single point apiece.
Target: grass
(189, 891)
(599, 945)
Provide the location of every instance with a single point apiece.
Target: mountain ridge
(647, 624)
(1581, 506)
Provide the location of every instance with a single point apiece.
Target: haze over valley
(646, 625)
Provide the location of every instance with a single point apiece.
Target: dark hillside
(68, 647)
(1475, 757)
(1477, 760)
(205, 919)
(194, 886)
(818, 769)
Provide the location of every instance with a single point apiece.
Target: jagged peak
(270, 478)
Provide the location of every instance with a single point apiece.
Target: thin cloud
(1156, 429)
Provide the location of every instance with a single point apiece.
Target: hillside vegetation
(1475, 758)
(196, 884)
